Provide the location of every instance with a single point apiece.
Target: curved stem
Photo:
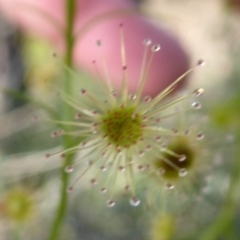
(67, 113)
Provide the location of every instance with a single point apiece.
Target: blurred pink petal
(167, 65)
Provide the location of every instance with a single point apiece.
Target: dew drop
(54, 134)
(93, 181)
(200, 136)
(98, 42)
(69, 169)
(140, 167)
(148, 147)
(147, 166)
(196, 105)
(78, 116)
(124, 67)
(201, 62)
(114, 94)
(158, 139)
(164, 146)
(69, 189)
(175, 131)
(141, 153)
(110, 203)
(134, 201)
(83, 91)
(121, 168)
(103, 190)
(187, 132)
(147, 42)
(147, 99)
(182, 158)
(156, 47)
(183, 172)
(169, 186)
(161, 171)
(198, 92)
(132, 96)
(90, 163)
(103, 168)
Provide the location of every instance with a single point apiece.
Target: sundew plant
(137, 148)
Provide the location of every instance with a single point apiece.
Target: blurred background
(29, 189)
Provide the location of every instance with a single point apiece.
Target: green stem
(226, 216)
(67, 113)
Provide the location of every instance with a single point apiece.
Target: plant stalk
(66, 114)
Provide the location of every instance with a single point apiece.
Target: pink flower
(47, 19)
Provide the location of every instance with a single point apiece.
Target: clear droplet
(99, 42)
(198, 92)
(187, 132)
(110, 203)
(78, 116)
(132, 96)
(161, 171)
(83, 91)
(68, 169)
(93, 181)
(103, 190)
(69, 189)
(141, 153)
(158, 139)
(140, 167)
(175, 131)
(183, 172)
(169, 186)
(147, 42)
(201, 62)
(196, 105)
(121, 168)
(147, 99)
(134, 201)
(182, 158)
(156, 47)
(103, 168)
(148, 147)
(114, 94)
(164, 146)
(200, 136)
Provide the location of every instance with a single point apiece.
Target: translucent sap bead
(121, 168)
(198, 92)
(103, 168)
(147, 42)
(103, 190)
(169, 186)
(182, 158)
(161, 171)
(182, 172)
(200, 136)
(134, 201)
(196, 105)
(69, 189)
(156, 47)
(110, 203)
(68, 169)
(93, 181)
(201, 62)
